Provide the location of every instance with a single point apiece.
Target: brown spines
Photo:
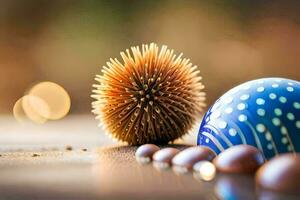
(153, 97)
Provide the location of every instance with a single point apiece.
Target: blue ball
(264, 113)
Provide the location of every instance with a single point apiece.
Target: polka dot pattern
(269, 146)
(264, 113)
(242, 118)
(290, 89)
(228, 110)
(276, 121)
(228, 100)
(272, 96)
(298, 124)
(290, 116)
(244, 97)
(275, 85)
(284, 140)
(232, 132)
(260, 101)
(241, 106)
(260, 128)
(260, 89)
(283, 130)
(222, 124)
(261, 112)
(282, 99)
(215, 115)
(268, 136)
(296, 105)
(277, 111)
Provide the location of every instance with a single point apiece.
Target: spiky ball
(153, 96)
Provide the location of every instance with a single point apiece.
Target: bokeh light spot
(44, 101)
(55, 96)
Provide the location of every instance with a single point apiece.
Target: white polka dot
(215, 115)
(260, 101)
(276, 121)
(284, 140)
(296, 105)
(260, 89)
(290, 89)
(290, 148)
(275, 85)
(222, 124)
(261, 112)
(246, 87)
(277, 112)
(272, 96)
(282, 99)
(216, 105)
(269, 146)
(232, 132)
(290, 116)
(242, 118)
(206, 140)
(241, 106)
(290, 83)
(260, 128)
(228, 100)
(268, 136)
(234, 90)
(298, 124)
(244, 97)
(283, 130)
(228, 110)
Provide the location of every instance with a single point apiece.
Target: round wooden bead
(281, 174)
(188, 157)
(145, 152)
(164, 156)
(264, 113)
(239, 159)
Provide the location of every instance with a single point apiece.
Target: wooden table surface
(35, 164)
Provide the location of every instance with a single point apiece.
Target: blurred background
(68, 41)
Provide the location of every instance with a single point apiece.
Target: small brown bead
(145, 152)
(280, 174)
(69, 148)
(239, 159)
(35, 155)
(188, 157)
(165, 155)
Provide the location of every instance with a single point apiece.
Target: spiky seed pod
(151, 97)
